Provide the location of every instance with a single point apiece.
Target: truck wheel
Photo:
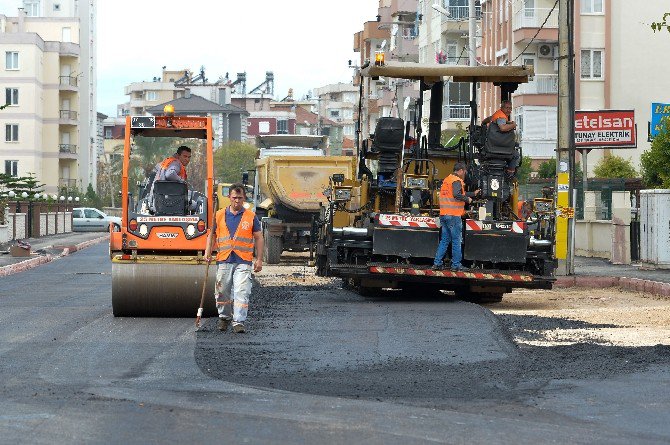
(272, 249)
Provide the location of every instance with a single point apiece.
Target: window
(282, 126)
(264, 127)
(12, 132)
(152, 95)
(92, 213)
(11, 60)
(77, 213)
(335, 113)
(56, 6)
(12, 168)
(108, 133)
(348, 130)
(67, 35)
(11, 96)
(592, 64)
(592, 6)
(32, 8)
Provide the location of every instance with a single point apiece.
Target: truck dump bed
(296, 183)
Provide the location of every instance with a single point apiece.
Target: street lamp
(76, 199)
(62, 198)
(11, 194)
(69, 199)
(24, 195)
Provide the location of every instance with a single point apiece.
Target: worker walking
(452, 207)
(237, 233)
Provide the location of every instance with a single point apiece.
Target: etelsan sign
(605, 128)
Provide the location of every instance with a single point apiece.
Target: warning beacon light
(379, 58)
(168, 110)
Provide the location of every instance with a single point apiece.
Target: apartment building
(189, 93)
(443, 39)
(616, 59)
(49, 83)
(338, 103)
(395, 31)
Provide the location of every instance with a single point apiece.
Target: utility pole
(472, 30)
(565, 150)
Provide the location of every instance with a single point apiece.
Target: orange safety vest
(448, 204)
(500, 114)
(243, 241)
(166, 163)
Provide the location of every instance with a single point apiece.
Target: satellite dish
(383, 45)
(405, 104)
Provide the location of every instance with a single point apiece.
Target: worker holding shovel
(237, 233)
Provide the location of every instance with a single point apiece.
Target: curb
(632, 284)
(34, 262)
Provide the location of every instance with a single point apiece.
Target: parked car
(87, 219)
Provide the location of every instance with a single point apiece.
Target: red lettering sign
(605, 128)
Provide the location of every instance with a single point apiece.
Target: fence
(27, 219)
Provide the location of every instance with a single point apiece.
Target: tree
(547, 169)
(231, 159)
(658, 26)
(612, 166)
(523, 172)
(656, 161)
(91, 199)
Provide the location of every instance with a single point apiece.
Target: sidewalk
(599, 273)
(48, 248)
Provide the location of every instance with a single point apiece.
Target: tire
(272, 249)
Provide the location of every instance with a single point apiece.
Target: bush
(656, 161)
(613, 166)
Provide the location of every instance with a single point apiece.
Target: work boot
(238, 328)
(437, 267)
(223, 324)
(460, 269)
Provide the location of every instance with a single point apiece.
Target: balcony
(443, 59)
(67, 151)
(527, 21)
(541, 84)
(68, 83)
(456, 112)
(66, 183)
(67, 117)
(460, 13)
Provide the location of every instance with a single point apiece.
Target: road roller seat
(170, 198)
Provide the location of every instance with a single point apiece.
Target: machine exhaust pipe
(350, 232)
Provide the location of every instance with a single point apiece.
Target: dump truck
(292, 173)
(157, 255)
(381, 229)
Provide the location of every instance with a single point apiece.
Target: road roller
(158, 262)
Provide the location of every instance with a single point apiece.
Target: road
(318, 365)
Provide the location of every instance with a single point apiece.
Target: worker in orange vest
(173, 168)
(237, 233)
(503, 119)
(452, 208)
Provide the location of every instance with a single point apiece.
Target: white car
(87, 219)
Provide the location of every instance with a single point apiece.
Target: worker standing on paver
(237, 233)
(452, 207)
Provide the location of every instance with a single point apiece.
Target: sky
(306, 43)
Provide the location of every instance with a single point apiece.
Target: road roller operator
(173, 168)
(237, 233)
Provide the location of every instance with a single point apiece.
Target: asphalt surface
(318, 365)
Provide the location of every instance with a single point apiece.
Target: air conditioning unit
(545, 51)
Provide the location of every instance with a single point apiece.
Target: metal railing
(460, 13)
(67, 148)
(541, 84)
(456, 112)
(68, 114)
(68, 80)
(444, 60)
(67, 183)
(534, 17)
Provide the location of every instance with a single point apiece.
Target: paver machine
(381, 230)
(158, 264)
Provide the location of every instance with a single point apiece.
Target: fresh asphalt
(318, 365)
